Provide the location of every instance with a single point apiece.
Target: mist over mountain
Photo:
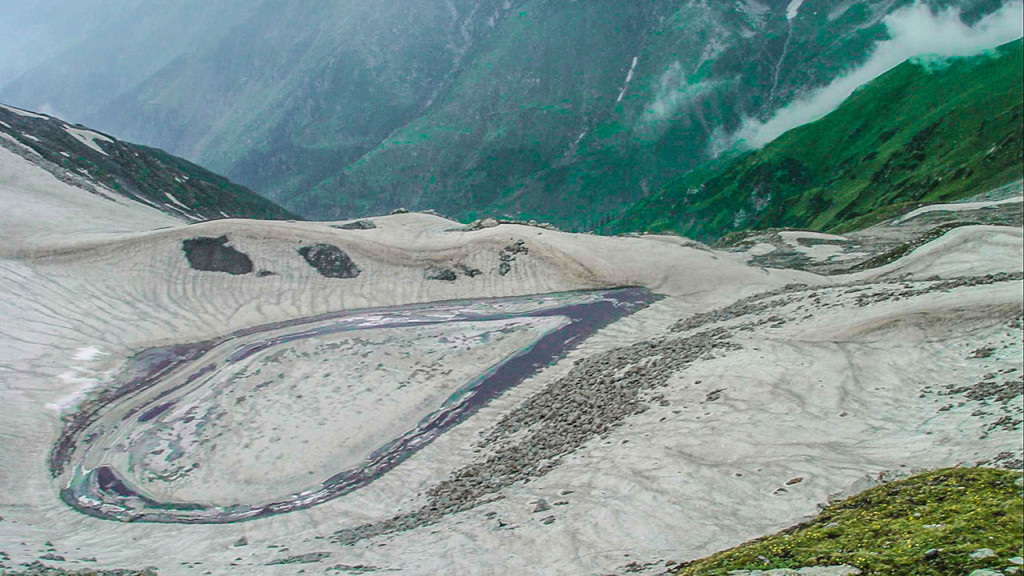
(70, 58)
(563, 111)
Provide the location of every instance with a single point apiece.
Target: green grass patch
(890, 529)
(921, 133)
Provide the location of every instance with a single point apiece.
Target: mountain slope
(924, 132)
(300, 89)
(563, 111)
(575, 109)
(105, 165)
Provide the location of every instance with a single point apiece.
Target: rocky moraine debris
(597, 396)
(442, 274)
(452, 274)
(40, 569)
(330, 261)
(356, 225)
(208, 254)
(508, 255)
(603, 390)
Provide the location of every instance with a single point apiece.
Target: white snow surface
(761, 249)
(24, 113)
(88, 137)
(832, 396)
(41, 211)
(957, 207)
(793, 237)
(793, 9)
(629, 78)
(88, 353)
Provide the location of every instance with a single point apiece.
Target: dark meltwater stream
(148, 392)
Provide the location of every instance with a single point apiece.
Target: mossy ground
(889, 529)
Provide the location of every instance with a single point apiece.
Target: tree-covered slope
(927, 131)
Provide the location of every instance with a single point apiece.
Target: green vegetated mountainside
(560, 110)
(88, 159)
(923, 132)
(570, 110)
(302, 89)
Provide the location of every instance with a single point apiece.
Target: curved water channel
(147, 448)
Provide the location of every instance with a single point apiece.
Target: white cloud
(913, 31)
(672, 94)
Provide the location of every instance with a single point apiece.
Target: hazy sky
(68, 58)
(34, 31)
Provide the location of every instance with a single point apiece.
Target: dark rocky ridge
(147, 175)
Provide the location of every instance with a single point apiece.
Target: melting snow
(88, 353)
(793, 9)
(176, 201)
(179, 207)
(761, 249)
(15, 141)
(88, 137)
(793, 237)
(24, 113)
(629, 78)
(82, 378)
(83, 385)
(959, 207)
(817, 252)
